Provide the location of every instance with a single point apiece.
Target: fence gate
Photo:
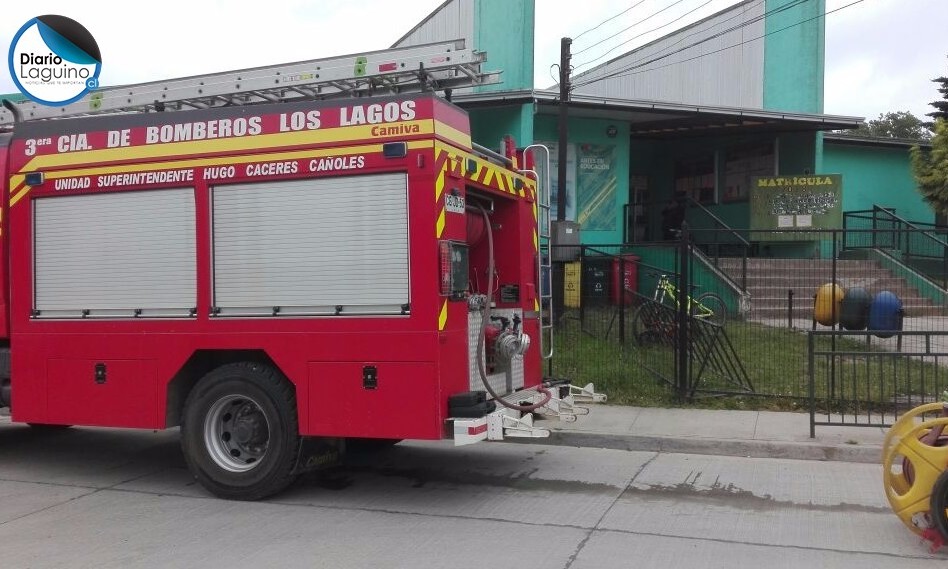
(628, 324)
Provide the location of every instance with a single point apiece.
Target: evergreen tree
(931, 168)
(941, 107)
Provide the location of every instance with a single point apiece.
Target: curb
(870, 454)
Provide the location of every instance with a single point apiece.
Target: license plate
(454, 204)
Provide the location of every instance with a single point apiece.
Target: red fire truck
(287, 266)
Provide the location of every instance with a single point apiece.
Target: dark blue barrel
(854, 310)
(885, 313)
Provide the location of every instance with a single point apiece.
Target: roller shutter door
(312, 247)
(120, 254)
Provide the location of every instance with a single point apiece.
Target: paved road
(119, 499)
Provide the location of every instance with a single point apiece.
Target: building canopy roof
(656, 119)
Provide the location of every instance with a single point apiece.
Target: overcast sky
(880, 54)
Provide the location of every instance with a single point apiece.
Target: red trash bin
(625, 277)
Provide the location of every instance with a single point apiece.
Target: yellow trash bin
(572, 285)
(828, 303)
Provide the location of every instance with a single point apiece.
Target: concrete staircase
(770, 280)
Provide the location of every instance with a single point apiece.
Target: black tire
(644, 325)
(715, 304)
(939, 504)
(239, 431)
(48, 428)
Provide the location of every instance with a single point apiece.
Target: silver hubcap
(236, 433)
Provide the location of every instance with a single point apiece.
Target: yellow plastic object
(910, 496)
(572, 284)
(826, 308)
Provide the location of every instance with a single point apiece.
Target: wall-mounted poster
(596, 192)
(784, 204)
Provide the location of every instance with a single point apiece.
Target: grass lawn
(775, 361)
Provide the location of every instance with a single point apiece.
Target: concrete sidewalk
(760, 434)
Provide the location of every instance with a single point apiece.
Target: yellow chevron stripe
(234, 144)
(217, 161)
(443, 316)
(536, 241)
(439, 225)
(439, 182)
(19, 196)
(536, 305)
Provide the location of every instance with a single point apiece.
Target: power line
(600, 24)
(735, 27)
(716, 35)
(673, 4)
(617, 46)
(631, 69)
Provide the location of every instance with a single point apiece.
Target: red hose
(486, 318)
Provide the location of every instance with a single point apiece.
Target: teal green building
(702, 112)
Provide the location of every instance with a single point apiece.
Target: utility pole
(559, 255)
(563, 128)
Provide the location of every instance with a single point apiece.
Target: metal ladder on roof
(544, 260)
(426, 67)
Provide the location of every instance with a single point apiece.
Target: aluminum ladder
(440, 65)
(544, 261)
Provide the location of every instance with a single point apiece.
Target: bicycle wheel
(644, 329)
(710, 307)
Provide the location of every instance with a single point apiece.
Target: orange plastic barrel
(827, 307)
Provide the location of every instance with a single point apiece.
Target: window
(741, 163)
(695, 177)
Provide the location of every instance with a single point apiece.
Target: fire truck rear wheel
(239, 431)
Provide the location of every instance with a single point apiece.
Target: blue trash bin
(885, 314)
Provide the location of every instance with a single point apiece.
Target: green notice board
(785, 204)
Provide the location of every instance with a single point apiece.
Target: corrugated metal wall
(453, 20)
(730, 77)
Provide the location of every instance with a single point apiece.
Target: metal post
(684, 289)
(835, 316)
(744, 270)
(583, 286)
(875, 226)
(622, 293)
(944, 266)
(790, 308)
(812, 375)
(845, 233)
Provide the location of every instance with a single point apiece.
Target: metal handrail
(718, 221)
(907, 223)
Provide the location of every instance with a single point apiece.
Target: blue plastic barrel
(885, 313)
(854, 310)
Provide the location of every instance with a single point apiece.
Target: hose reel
(915, 471)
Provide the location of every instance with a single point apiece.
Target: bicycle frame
(665, 288)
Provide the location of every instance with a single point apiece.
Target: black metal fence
(623, 327)
(858, 379)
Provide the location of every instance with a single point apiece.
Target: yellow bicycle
(656, 321)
